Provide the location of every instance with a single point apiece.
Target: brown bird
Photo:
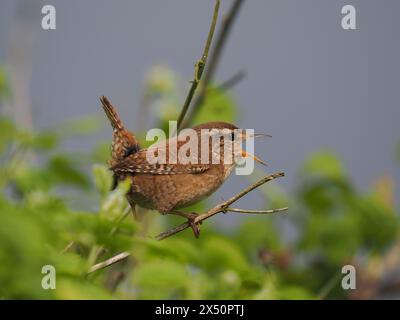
(169, 186)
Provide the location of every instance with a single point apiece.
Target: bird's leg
(133, 209)
(190, 216)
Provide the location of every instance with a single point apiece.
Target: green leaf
(101, 153)
(294, 293)
(102, 178)
(22, 255)
(68, 289)
(379, 226)
(263, 235)
(45, 141)
(115, 202)
(177, 249)
(4, 84)
(65, 171)
(7, 133)
(161, 80)
(223, 253)
(325, 164)
(78, 127)
(161, 279)
(336, 238)
(218, 106)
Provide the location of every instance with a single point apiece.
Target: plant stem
(109, 262)
(214, 58)
(199, 67)
(256, 211)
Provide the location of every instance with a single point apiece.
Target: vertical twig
(199, 67)
(214, 58)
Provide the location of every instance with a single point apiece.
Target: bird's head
(227, 139)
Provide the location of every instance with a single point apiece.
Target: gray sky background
(309, 83)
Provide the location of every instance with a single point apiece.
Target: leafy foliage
(333, 223)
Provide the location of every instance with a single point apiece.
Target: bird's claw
(194, 225)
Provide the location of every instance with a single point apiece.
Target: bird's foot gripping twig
(225, 207)
(191, 217)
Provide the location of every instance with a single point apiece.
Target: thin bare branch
(222, 207)
(232, 81)
(68, 247)
(199, 67)
(100, 250)
(256, 211)
(109, 262)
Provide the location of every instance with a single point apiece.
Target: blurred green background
(56, 209)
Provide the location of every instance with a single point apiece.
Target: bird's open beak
(260, 135)
(254, 135)
(248, 154)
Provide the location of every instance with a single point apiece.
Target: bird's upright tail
(111, 113)
(124, 142)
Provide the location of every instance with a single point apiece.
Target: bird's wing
(138, 163)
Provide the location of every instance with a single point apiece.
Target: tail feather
(111, 113)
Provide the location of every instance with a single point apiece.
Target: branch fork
(223, 207)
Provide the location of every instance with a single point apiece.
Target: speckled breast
(169, 192)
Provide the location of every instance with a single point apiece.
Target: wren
(167, 187)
